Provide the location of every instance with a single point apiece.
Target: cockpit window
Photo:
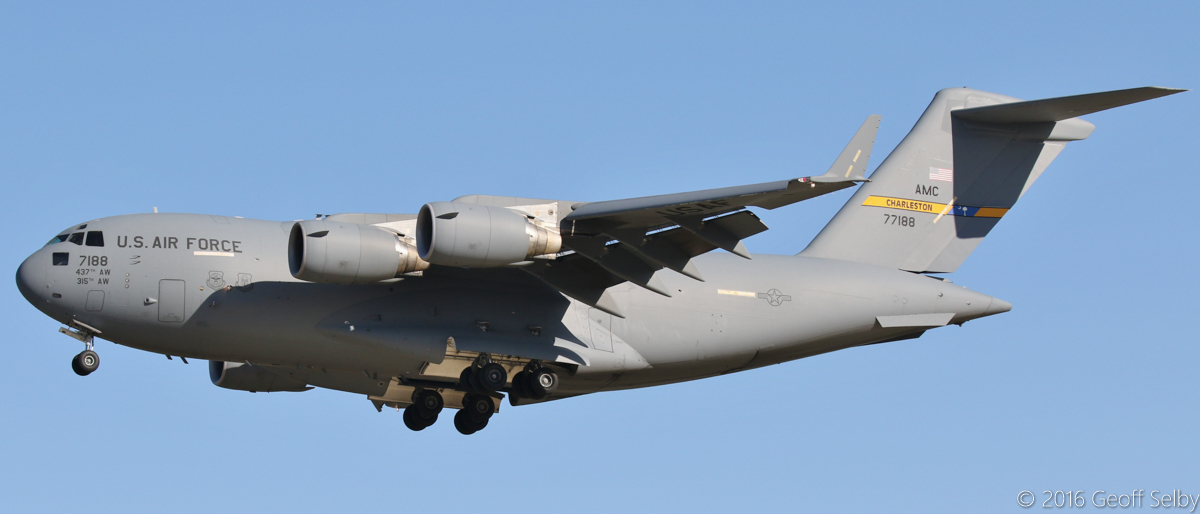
(76, 238)
(95, 238)
(57, 239)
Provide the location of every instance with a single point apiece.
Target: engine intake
(348, 253)
(248, 377)
(479, 236)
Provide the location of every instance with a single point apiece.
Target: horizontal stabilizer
(1063, 107)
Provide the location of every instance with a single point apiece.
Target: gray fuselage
(219, 288)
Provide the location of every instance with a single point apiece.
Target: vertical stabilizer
(965, 163)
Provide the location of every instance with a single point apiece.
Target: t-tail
(969, 158)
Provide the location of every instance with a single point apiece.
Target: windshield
(94, 238)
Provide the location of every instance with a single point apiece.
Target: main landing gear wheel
(467, 426)
(428, 403)
(542, 382)
(491, 377)
(414, 421)
(464, 378)
(479, 407)
(520, 385)
(85, 363)
(535, 384)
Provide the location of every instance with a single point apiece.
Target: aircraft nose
(31, 276)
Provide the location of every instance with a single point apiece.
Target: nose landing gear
(87, 361)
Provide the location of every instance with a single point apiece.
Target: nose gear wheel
(85, 363)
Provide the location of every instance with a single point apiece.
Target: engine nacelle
(348, 253)
(479, 236)
(248, 377)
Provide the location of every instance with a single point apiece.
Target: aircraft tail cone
(975, 305)
(997, 306)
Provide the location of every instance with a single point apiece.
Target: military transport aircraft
(485, 296)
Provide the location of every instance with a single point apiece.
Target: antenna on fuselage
(156, 210)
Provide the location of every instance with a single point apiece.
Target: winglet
(851, 165)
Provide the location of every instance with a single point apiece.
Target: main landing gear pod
(481, 381)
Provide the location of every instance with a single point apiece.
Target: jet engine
(348, 253)
(248, 377)
(480, 236)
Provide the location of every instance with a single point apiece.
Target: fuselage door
(171, 300)
(95, 301)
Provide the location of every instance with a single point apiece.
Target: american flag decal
(941, 174)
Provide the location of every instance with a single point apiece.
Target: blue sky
(279, 110)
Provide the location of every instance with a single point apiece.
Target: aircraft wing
(618, 241)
